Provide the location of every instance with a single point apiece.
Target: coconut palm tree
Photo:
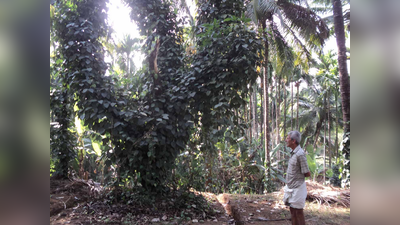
(339, 18)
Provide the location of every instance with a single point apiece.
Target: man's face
(289, 142)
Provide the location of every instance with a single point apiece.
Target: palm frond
(284, 52)
(306, 22)
(264, 9)
(307, 78)
(250, 13)
(322, 9)
(267, 6)
(326, 3)
(300, 46)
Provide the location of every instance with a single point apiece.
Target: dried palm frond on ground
(327, 194)
(68, 193)
(75, 202)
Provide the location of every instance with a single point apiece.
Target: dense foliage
(148, 131)
(189, 116)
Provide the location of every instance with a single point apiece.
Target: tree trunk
(273, 122)
(318, 130)
(337, 127)
(255, 120)
(342, 61)
(324, 140)
(291, 119)
(250, 121)
(284, 109)
(64, 121)
(278, 106)
(329, 131)
(265, 78)
(262, 122)
(284, 116)
(244, 114)
(297, 113)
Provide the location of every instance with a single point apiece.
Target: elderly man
(295, 189)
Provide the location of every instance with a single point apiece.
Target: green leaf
(218, 105)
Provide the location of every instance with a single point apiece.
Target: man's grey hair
(295, 135)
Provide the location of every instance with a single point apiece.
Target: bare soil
(77, 202)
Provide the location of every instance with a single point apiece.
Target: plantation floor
(75, 202)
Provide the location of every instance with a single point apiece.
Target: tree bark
(337, 126)
(278, 106)
(342, 61)
(255, 120)
(297, 110)
(246, 133)
(291, 119)
(284, 109)
(265, 78)
(318, 130)
(324, 140)
(329, 131)
(273, 122)
(250, 121)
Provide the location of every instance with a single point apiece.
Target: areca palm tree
(125, 48)
(297, 22)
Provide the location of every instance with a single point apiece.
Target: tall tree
(329, 131)
(324, 139)
(265, 94)
(272, 113)
(291, 105)
(224, 65)
(297, 108)
(254, 109)
(295, 19)
(250, 120)
(342, 61)
(337, 122)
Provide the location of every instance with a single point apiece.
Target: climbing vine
(149, 131)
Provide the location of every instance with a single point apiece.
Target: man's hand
(307, 174)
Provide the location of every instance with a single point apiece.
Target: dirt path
(269, 209)
(73, 202)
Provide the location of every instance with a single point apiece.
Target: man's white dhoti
(296, 197)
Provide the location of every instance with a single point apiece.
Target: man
(295, 189)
